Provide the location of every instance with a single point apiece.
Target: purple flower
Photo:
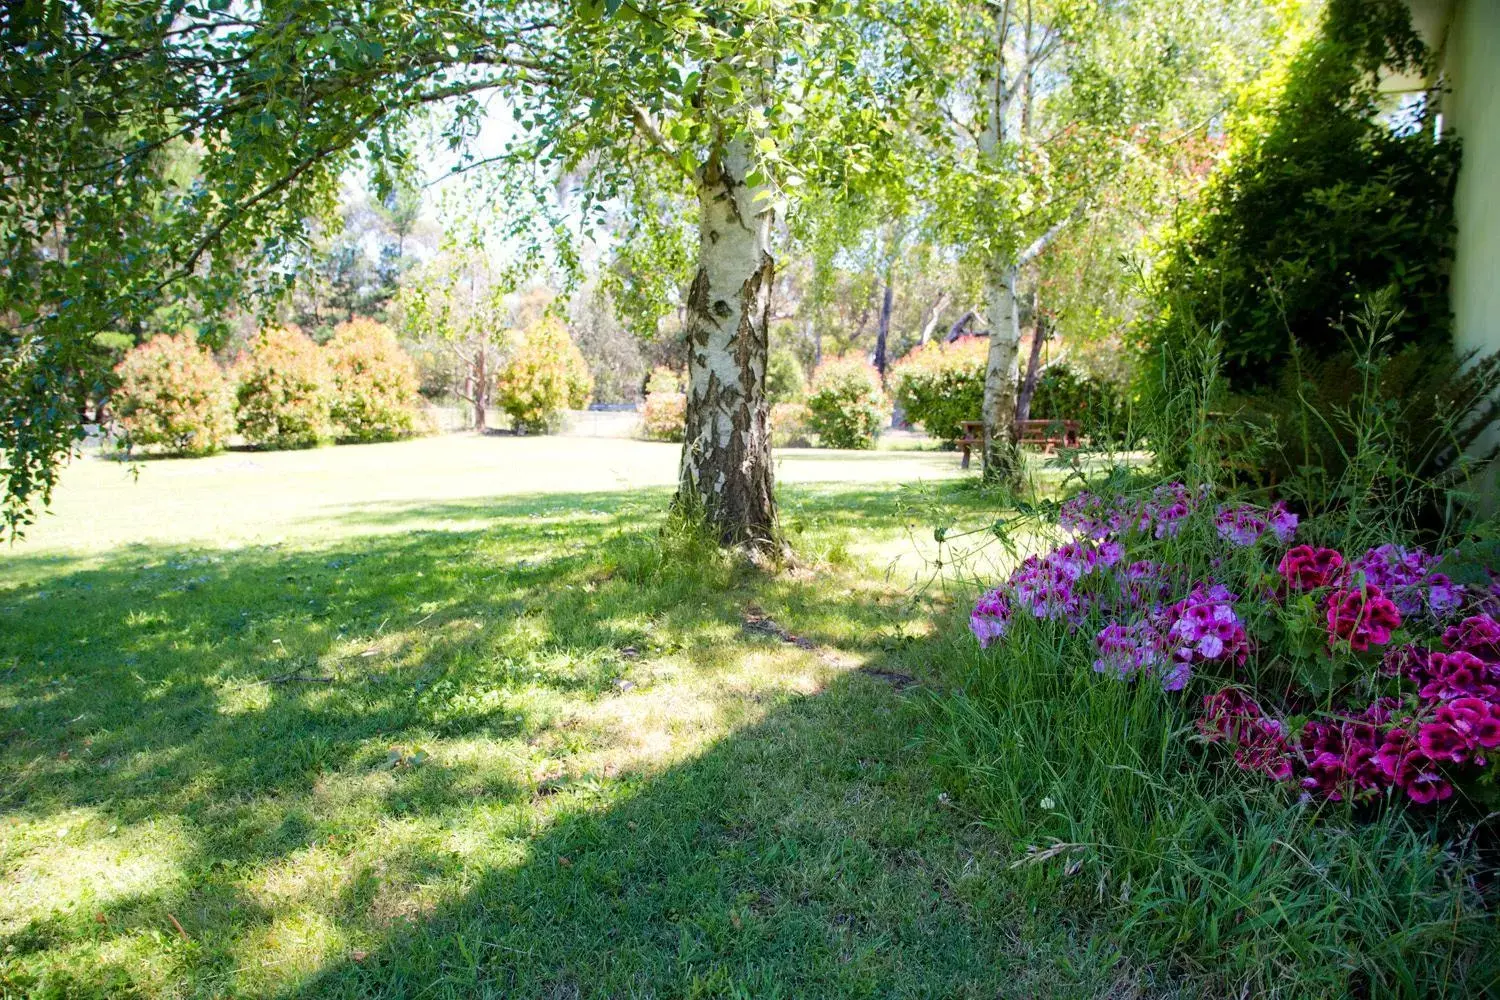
(1244, 525)
(1283, 522)
(1240, 524)
(990, 618)
(1203, 627)
(1127, 649)
(1399, 572)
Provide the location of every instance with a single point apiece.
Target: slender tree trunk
(726, 449)
(1002, 453)
(481, 377)
(883, 332)
(1039, 335)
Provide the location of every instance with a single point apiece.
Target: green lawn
(453, 718)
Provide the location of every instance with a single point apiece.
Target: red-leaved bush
(172, 396)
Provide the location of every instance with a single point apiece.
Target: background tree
(1037, 107)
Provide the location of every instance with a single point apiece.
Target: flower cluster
(1361, 617)
(1260, 743)
(990, 618)
(1415, 744)
(1385, 622)
(1244, 525)
(1307, 568)
(1407, 577)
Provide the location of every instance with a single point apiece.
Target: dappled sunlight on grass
(369, 745)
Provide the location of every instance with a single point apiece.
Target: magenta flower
(1479, 634)
(1441, 741)
(1457, 675)
(1361, 618)
(1260, 743)
(1405, 766)
(1307, 568)
(1475, 719)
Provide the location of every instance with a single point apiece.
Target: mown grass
(336, 741)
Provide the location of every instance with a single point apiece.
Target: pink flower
(1307, 568)
(1475, 719)
(1441, 741)
(1260, 743)
(1361, 618)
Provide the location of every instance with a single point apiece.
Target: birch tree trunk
(726, 451)
(1002, 453)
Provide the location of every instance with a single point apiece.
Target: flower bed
(1346, 676)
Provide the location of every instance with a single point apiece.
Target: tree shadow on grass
(403, 742)
(804, 856)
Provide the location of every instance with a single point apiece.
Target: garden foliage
(1324, 201)
(283, 391)
(940, 385)
(172, 396)
(374, 382)
(545, 375)
(790, 424)
(1170, 639)
(847, 406)
(664, 413)
(785, 380)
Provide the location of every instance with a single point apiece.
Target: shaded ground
(318, 737)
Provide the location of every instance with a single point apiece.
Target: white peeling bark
(1002, 455)
(726, 451)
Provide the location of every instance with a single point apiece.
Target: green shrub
(847, 406)
(940, 385)
(1065, 392)
(374, 383)
(785, 380)
(1322, 203)
(283, 391)
(545, 375)
(664, 412)
(173, 396)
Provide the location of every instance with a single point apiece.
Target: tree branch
(1043, 241)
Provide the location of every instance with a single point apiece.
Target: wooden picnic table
(1047, 432)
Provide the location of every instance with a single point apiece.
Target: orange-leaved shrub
(545, 375)
(283, 391)
(172, 396)
(374, 383)
(847, 405)
(664, 414)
